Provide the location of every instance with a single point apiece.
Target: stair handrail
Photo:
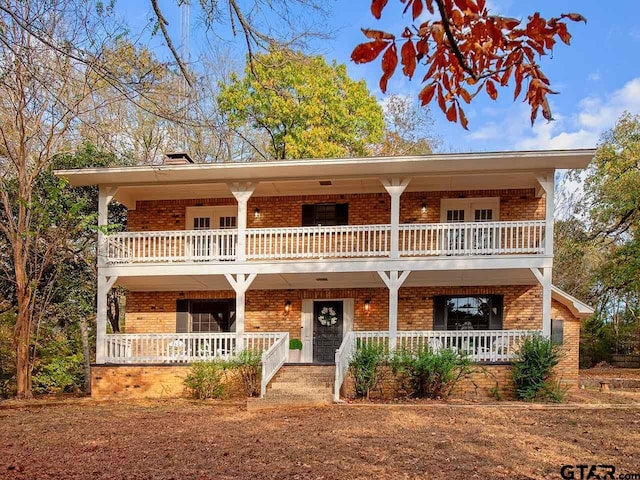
(273, 359)
(343, 357)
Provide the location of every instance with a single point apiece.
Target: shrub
(366, 367)
(206, 379)
(424, 373)
(59, 374)
(248, 365)
(295, 344)
(533, 369)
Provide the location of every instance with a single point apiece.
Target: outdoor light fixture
(287, 307)
(424, 206)
(256, 213)
(367, 305)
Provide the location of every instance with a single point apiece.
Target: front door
(327, 330)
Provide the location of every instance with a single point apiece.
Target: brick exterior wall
(364, 209)
(567, 370)
(149, 312)
(148, 381)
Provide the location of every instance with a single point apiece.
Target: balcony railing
(349, 241)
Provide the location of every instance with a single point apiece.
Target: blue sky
(598, 76)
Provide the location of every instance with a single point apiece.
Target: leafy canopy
(465, 50)
(306, 107)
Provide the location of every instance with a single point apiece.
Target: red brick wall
(155, 311)
(567, 370)
(364, 209)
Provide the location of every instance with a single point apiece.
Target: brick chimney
(177, 158)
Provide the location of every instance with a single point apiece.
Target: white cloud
(581, 129)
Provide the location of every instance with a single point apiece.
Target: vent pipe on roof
(177, 158)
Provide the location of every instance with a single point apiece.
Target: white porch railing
(123, 348)
(273, 359)
(171, 246)
(348, 241)
(168, 347)
(318, 242)
(479, 238)
(479, 345)
(343, 357)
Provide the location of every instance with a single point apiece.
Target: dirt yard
(184, 440)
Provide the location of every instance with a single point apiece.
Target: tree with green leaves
(598, 250)
(304, 106)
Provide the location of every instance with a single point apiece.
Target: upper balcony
(318, 243)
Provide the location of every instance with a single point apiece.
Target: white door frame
(211, 211)
(306, 323)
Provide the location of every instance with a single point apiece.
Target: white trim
(307, 323)
(213, 212)
(578, 308)
(459, 163)
(329, 265)
(468, 205)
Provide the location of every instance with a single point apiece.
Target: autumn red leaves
(467, 50)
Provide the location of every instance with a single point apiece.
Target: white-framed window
(484, 209)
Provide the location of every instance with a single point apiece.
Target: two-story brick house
(453, 249)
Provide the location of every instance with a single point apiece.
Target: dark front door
(327, 330)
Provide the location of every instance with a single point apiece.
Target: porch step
(298, 385)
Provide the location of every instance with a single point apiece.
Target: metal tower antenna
(184, 53)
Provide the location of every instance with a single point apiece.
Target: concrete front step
(299, 385)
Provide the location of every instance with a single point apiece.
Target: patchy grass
(187, 440)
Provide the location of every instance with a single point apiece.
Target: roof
(578, 308)
(440, 163)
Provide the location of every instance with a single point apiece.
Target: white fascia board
(459, 163)
(314, 266)
(577, 307)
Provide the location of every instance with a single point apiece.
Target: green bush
(248, 366)
(533, 369)
(423, 373)
(7, 358)
(206, 379)
(61, 374)
(366, 367)
(295, 344)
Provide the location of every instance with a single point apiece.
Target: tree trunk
(22, 338)
(86, 352)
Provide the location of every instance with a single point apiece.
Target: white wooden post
(393, 280)
(104, 285)
(544, 278)
(547, 182)
(105, 196)
(395, 187)
(240, 284)
(242, 192)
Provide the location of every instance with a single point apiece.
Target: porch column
(543, 276)
(105, 196)
(547, 184)
(105, 284)
(395, 187)
(240, 284)
(242, 192)
(393, 280)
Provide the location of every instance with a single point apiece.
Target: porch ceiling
(128, 195)
(443, 278)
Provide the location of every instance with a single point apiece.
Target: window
(557, 332)
(325, 214)
(205, 316)
(468, 312)
(453, 210)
